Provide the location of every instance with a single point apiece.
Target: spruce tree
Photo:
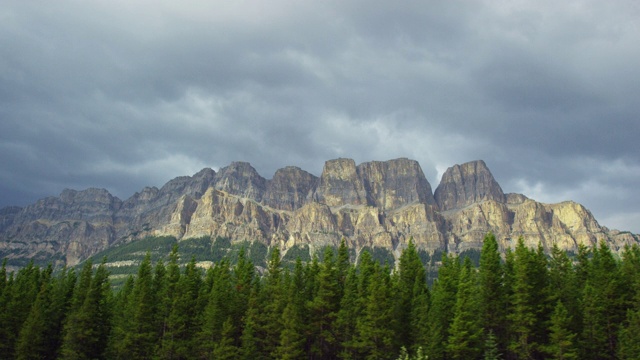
(465, 333)
(375, 329)
(19, 296)
(184, 319)
(225, 348)
(602, 305)
(347, 318)
(441, 310)
(168, 292)
(88, 327)
(629, 337)
(217, 311)
(522, 316)
(562, 341)
(32, 340)
(491, 347)
(324, 309)
(293, 336)
(139, 332)
(493, 300)
(411, 286)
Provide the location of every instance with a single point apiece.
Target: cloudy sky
(125, 94)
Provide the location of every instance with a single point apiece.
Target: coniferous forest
(529, 304)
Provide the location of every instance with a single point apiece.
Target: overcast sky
(125, 94)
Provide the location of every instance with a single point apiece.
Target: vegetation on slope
(525, 306)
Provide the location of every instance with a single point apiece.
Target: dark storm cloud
(126, 94)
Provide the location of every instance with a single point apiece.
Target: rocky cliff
(374, 204)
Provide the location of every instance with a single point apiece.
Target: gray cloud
(122, 95)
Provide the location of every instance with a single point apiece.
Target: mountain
(378, 204)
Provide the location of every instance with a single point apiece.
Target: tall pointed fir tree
(348, 315)
(88, 328)
(324, 308)
(184, 318)
(411, 286)
(529, 307)
(562, 341)
(20, 294)
(217, 313)
(441, 310)
(139, 334)
(167, 295)
(629, 333)
(493, 299)
(465, 334)
(375, 329)
(602, 305)
(32, 340)
(293, 336)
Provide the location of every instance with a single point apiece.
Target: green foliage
(465, 333)
(525, 306)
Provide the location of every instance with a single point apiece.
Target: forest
(526, 304)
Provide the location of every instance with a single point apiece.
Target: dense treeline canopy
(526, 305)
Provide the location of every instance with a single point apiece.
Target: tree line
(525, 305)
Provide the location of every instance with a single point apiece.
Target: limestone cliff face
(241, 179)
(290, 189)
(74, 224)
(340, 184)
(374, 204)
(466, 184)
(395, 183)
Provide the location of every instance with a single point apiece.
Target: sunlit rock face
(373, 204)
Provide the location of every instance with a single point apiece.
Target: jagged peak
(92, 193)
(465, 184)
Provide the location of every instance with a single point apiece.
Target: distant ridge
(378, 204)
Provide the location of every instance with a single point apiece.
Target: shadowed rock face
(466, 184)
(340, 184)
(241, 179)
(290, 189)
(395, 183)
(374, 204)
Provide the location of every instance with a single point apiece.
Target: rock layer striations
(373, 204)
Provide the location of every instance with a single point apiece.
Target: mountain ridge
(372, 204)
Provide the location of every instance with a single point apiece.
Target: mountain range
(374, 204)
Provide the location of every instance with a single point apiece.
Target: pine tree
(563, 285)
(522, 317)
(411, 286)
(253, 333)
(324, 309)
(87, 329)
(629, 333)
(629, 342)
(493, 300)
(32, 341)
(602, 305)
(562, 344)
(465, 333)
(375, 329)
(184, 319)
(139, 333)
(491, 350)
(167, 293)
(293, 336)
(243, 278)
(225, 349)
(61, 297)
(348, 315)
(217, 313)
(19, 296)
(441, 310)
